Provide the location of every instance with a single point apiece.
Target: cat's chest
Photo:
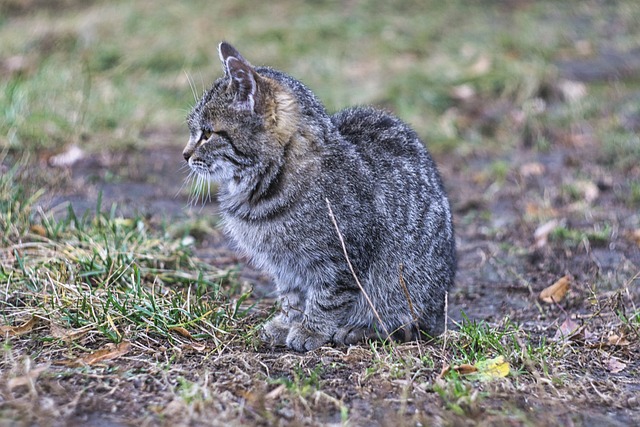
(266, 242)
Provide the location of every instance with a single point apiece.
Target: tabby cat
(286, 170)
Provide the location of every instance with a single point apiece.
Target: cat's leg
(327, 310)
(275, 331)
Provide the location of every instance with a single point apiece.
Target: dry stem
(346, 256)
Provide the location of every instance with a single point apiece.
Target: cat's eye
(206, 134)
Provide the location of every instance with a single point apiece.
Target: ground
(123, 305)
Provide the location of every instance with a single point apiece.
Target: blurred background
(467, 75)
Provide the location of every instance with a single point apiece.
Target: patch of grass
(111, 276)
(303, 381)
(572, 237)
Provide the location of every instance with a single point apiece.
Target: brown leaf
(557, 291)
(39, 230)
(614, 365)
(568, 330)
(445, 370)
(65, 334)
(635, 236)
(14, 331)
(617, 340)
(465, 369)
(197, 347)
(182, 331)
(110, 352)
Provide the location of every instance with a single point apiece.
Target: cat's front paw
(275, 332)
(302, 338)
(354, 335)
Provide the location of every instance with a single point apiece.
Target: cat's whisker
(199, 189)
(194, 190)
(192, 86)
(186, 180)
(209, 189)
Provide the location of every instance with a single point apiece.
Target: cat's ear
(243, 77)
(226, 51)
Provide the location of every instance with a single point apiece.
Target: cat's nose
(187, 153)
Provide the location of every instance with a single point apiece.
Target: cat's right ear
(226, 51)
(243, 77)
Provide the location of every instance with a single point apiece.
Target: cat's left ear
(243, 77)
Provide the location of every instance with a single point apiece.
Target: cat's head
(242, 123)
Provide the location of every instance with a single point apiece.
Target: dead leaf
(534, 210)
(557, 291)
(15, 331)
(614, 365)
(65, 334)
(39, 230)
(197, 347)
(276, 392)
(484, 370)
(541, 235)
(617, 340)
(182, 331)
(445, 370)
(110, 352)
(568, 330)
(635, 236)
(465, 369)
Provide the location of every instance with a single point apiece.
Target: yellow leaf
(491, 369)
(484, 370)
(557, 291)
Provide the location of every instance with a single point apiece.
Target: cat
(286, 170)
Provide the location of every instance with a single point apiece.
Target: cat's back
(388, 145)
